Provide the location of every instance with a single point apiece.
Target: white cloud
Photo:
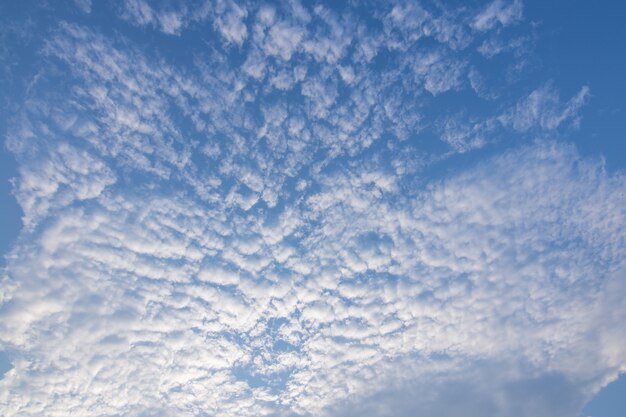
(503, 12)
(229, 20)
(255, 65)
(463, 137)
(438, 73)
(139, 11)
(168, 17)
(282, 39)
(255, 231)
(59, 179)
(494, 46)
(543, 108)
(330, 42)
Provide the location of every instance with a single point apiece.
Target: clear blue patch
(5, 364)
(610, 402)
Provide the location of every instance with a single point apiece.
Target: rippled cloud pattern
(239, 209)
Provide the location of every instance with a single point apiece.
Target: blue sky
(227, 208)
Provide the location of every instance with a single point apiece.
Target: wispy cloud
(502, 12)
(543, 108)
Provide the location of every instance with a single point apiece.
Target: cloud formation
(261, 228)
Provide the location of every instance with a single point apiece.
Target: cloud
(541, 111)
(438, 73)
(142, 13)
(463, 137)
(282, 39)
(543, 108)
(230, 21)
(270, 228)
(130, 295)
(499, 11)
(172, 17)
(494, 46)
(84, 5)
(50, 179)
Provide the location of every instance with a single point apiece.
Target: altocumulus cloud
(256, 221)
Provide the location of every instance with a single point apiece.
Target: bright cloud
(250, 217)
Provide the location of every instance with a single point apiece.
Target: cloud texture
(256, 225)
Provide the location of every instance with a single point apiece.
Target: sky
(220, 208)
